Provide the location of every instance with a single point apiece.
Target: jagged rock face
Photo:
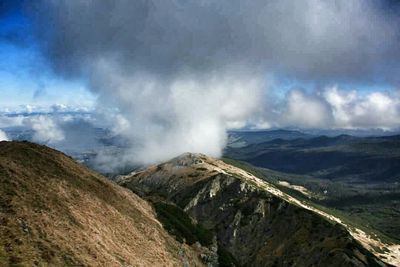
(254, 225)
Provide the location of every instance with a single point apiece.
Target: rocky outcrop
(254, 224)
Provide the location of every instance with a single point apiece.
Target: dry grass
(56, 212)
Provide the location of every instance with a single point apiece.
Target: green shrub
(179, 224)
(225, 258)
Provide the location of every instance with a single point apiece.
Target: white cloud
(3, 136)
(332, 108)
(352, 109)
(181, 73)
(187, 114)
(46, 129)
(11, 121)
(306, 111)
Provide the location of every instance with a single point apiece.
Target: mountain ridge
(57, 212)
(192, 210)
(235, 205)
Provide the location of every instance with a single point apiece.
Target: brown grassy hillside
(54, 211)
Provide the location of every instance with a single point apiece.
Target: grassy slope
(56, 212)
(369, 209)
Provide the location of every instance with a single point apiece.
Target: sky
(25, 78)
(174, 76)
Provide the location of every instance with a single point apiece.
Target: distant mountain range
(244, 138)
(343, 157)
(358, 177)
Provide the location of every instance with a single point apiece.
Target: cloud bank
(333, 108)
(182, 72)
(3, 136)
(45, 130)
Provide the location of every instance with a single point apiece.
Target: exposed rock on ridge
(254, 223)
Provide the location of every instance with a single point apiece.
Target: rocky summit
(248, 221)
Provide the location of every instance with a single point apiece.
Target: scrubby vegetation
(179, 224)
(225, 259)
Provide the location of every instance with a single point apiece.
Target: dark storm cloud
(182, 72)
(319, 40)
